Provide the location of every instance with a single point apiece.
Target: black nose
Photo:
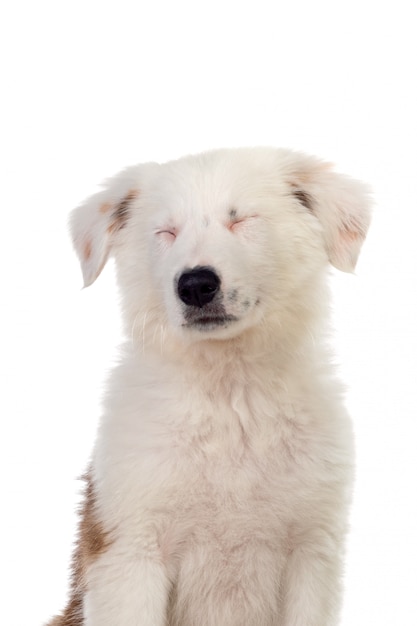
(198, 286)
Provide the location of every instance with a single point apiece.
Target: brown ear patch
(120, 213)
(304, 198)
(92, 541)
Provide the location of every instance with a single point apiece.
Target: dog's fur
(218, 489)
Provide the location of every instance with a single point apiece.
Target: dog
(221, 477)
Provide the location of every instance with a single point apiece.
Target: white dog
(221, 476)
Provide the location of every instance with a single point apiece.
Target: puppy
(219, 484)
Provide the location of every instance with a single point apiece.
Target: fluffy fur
(220, 480)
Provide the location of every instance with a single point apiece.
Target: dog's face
(209, 246)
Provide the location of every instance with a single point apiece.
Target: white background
(89, 87)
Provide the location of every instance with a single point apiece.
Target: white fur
(223, 462)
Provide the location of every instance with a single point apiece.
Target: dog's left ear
(340, 203)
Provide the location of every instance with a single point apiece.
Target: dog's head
(211, 245)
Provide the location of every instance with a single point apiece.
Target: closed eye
(241, 223)
(168, 234)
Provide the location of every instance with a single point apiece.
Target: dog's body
(219, 484)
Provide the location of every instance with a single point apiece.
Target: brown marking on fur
(73, 614)
(304, 178)
(87, 250)
(121, 211)
(349, 236)
(351, 231)
(92, 541)
(304, 198)
(105, 207)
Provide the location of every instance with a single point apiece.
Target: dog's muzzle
(199, 289)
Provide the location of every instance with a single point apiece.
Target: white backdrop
(89, 87)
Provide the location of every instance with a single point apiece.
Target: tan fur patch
(105, 207)
(92, 541)
(87, 250)
(349, 236)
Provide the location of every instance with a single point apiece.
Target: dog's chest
(242, 454)
(239, 475)
(249, 448)
(245, 450)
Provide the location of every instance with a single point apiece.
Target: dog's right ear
(96, 224)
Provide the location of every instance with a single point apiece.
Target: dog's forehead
(216, 183)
